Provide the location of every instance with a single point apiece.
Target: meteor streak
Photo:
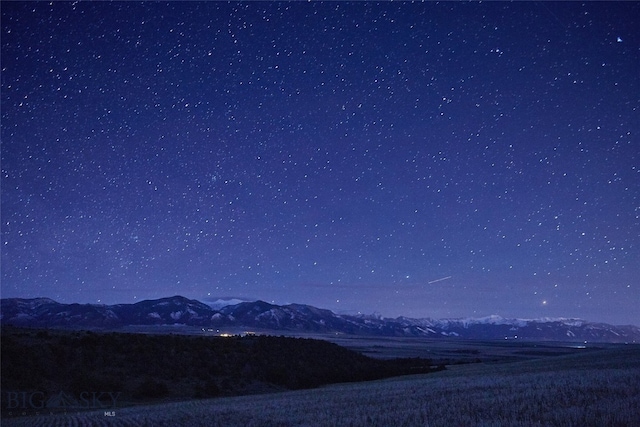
(439, 280)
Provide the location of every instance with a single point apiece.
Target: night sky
(427, 160)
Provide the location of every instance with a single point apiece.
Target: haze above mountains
(298, 318)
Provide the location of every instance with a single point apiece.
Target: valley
(596, 387)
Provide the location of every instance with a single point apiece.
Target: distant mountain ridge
(178, 310)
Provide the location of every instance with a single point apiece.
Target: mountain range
(299, 318)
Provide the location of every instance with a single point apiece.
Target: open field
(447, 350)
(458, 351)
(591, 388)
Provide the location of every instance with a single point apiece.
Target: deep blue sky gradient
(344, 155)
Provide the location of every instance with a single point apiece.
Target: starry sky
(418, 159)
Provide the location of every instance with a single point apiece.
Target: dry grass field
(594, 388)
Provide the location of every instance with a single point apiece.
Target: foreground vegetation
(594, 388)
(575, 391)
(140, 367)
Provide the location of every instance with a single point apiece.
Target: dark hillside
(144, 367)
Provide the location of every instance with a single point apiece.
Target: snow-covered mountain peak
(223, 302)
